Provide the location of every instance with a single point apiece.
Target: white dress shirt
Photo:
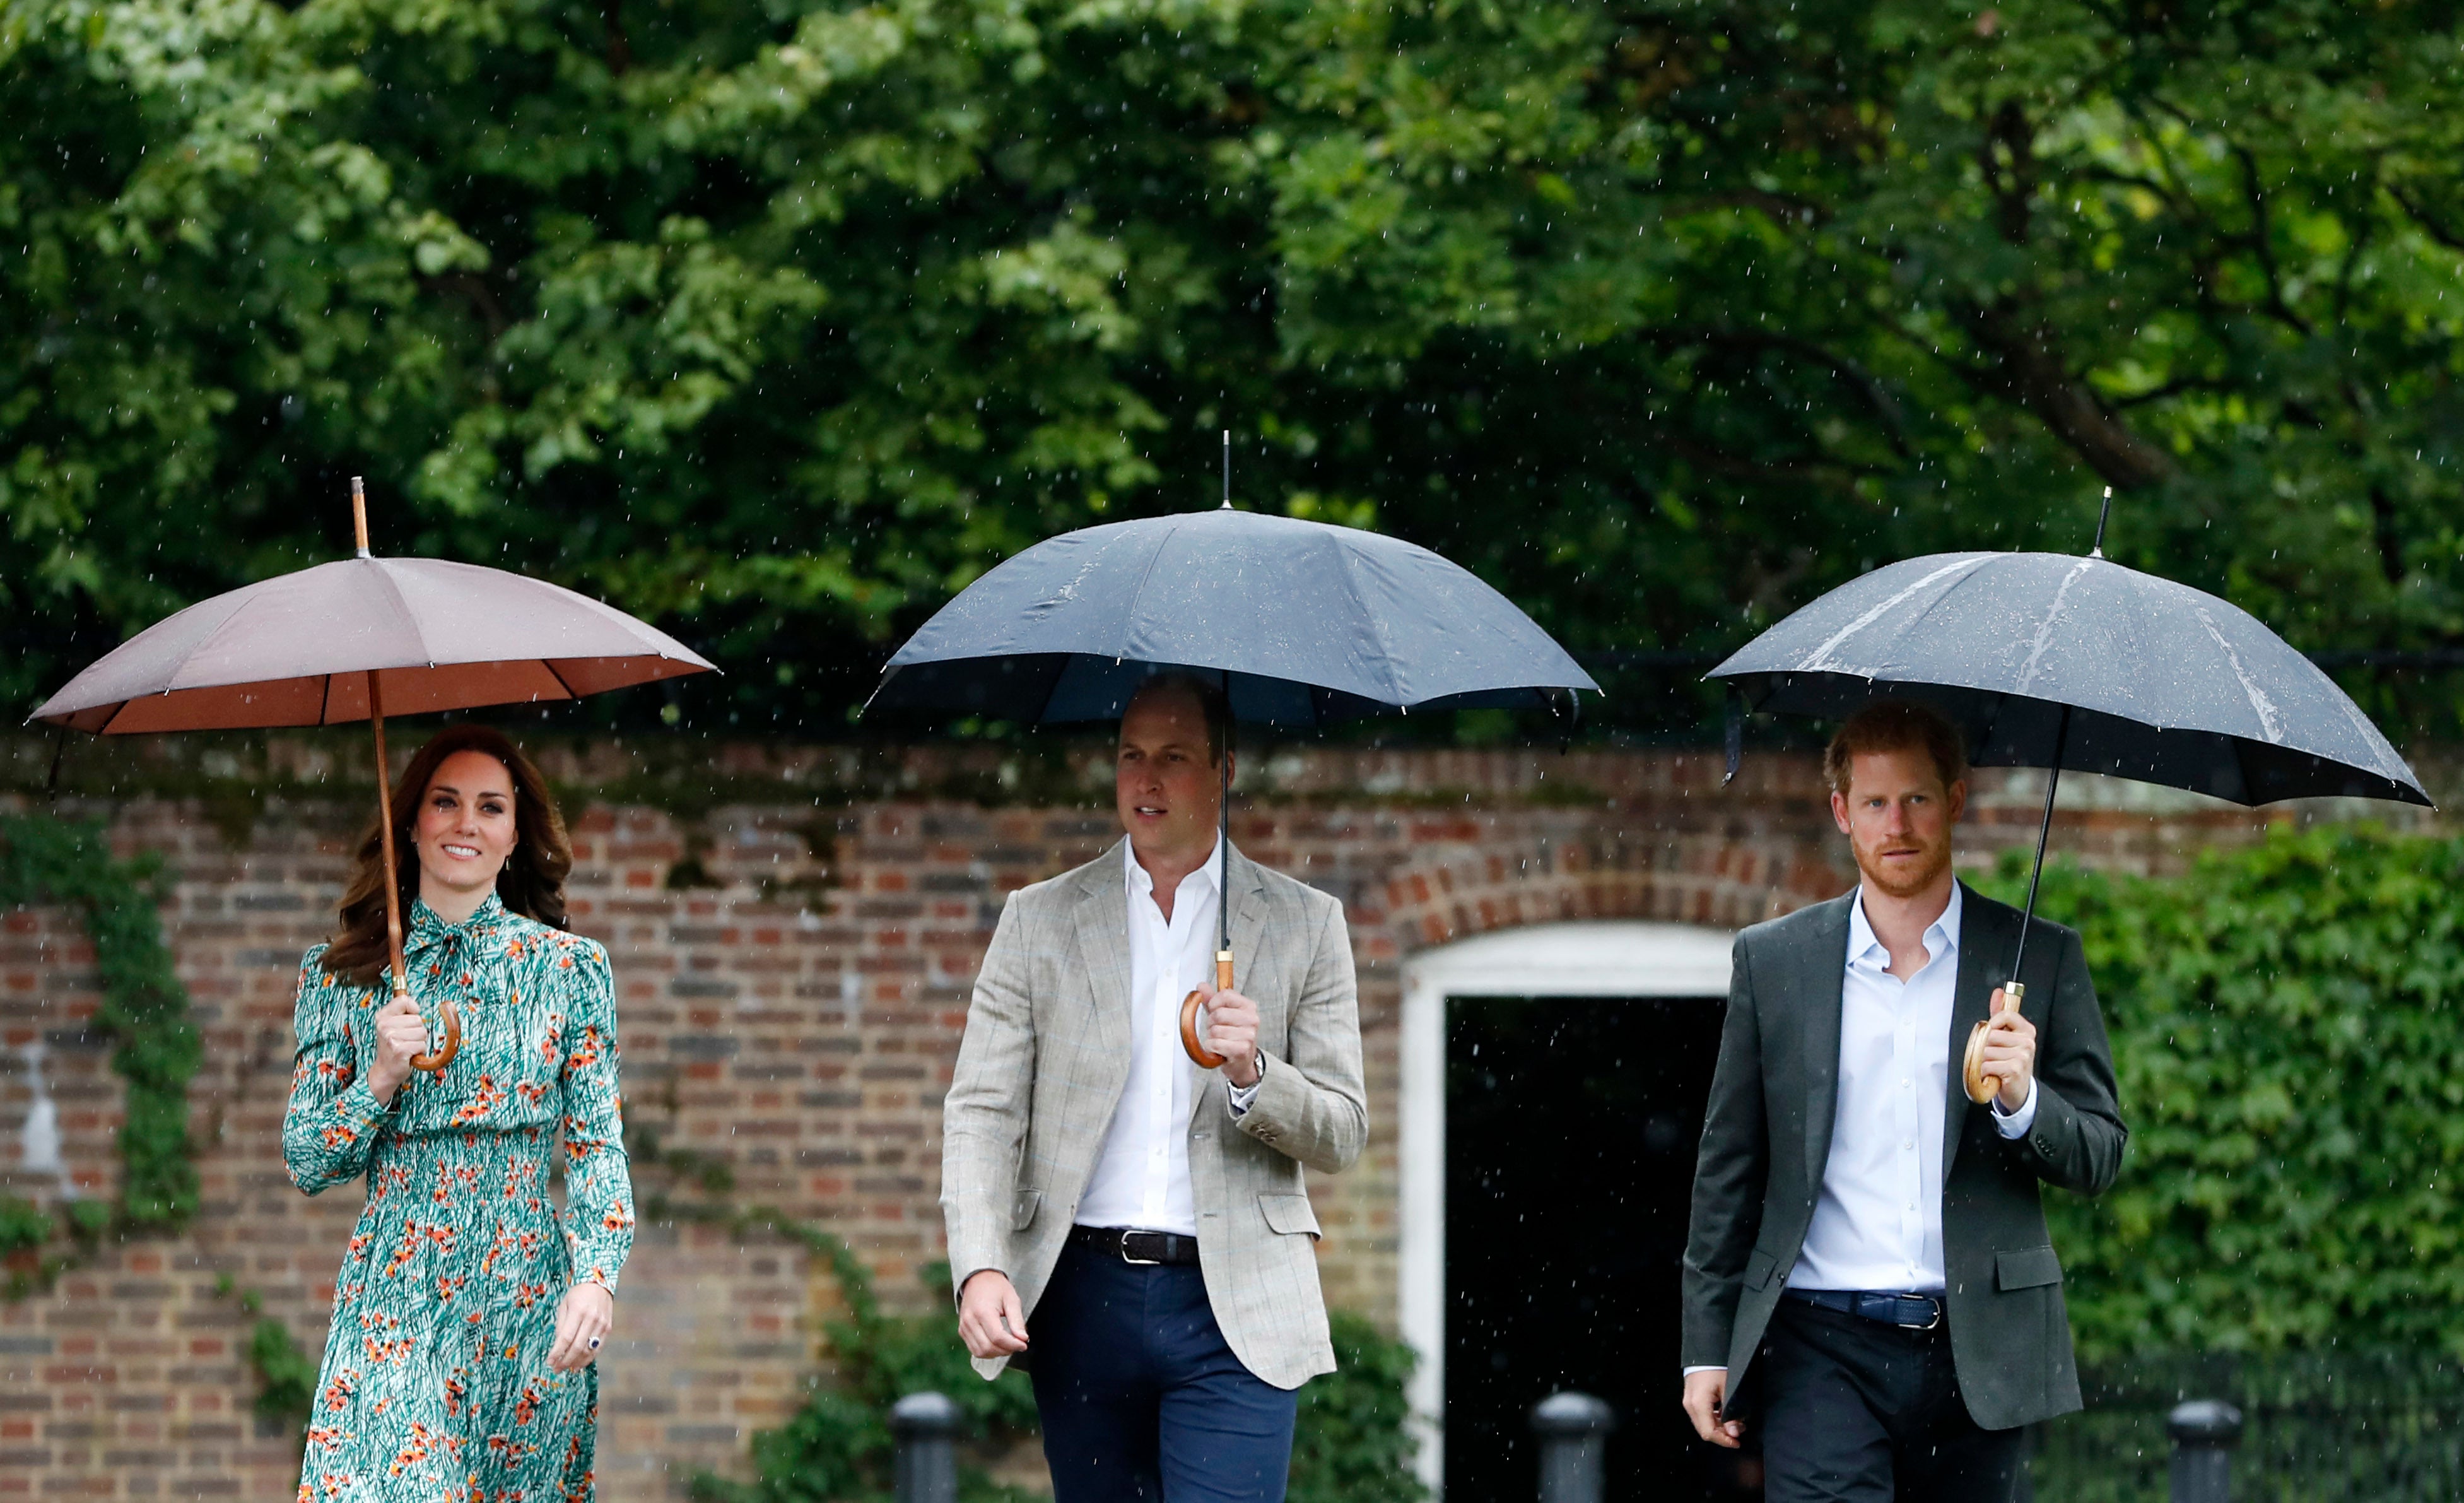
(1877, 1225)
(1141, 1177)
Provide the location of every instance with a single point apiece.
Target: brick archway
(1694, 878)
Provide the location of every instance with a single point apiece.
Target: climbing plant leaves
(2284, 1028)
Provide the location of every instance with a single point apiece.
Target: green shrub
(1351, 1445)
(837, 1448)
(2285, 1027)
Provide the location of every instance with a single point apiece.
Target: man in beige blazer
(1135, 1230)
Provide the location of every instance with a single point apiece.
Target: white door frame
(1561, 960)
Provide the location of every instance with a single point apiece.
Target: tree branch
(2170, 389)
(1737, 467)
(620, 48)
(1848, 372)
(2261, 240)
(2029, 372)
(2422, 217)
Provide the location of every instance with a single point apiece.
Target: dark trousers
(1857, 1412)
(1140, 1398)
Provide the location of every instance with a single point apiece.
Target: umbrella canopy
(353, 639)
(300, 650)
(2048, 660)
(1303, 623)
(1307, 624)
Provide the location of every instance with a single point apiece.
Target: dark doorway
(1570, 1130)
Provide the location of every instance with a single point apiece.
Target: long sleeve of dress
(598, 1179)
(334, 1120)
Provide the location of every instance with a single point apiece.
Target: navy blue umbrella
(1303, 623)
(2048, 660)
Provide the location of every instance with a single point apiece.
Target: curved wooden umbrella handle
(1205, 1057)
(453, 1041)
(1980, 1086)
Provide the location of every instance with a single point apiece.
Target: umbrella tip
(1227, 472)
(2101, 516)
(360, 513)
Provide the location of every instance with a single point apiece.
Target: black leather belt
(1907, 1311)
(1132, 1245)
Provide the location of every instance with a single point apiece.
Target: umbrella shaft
(2044, 832)
(1224, 847)
(385, 838)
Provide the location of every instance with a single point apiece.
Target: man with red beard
(1868, 1277)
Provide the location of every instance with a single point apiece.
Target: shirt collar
(1940, 937)
(428, 927)
(1142, 881)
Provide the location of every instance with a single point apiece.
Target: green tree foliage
(778, 320)
(2283, 1026)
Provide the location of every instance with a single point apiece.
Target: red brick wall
(795, 931)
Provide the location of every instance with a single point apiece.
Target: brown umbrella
(344, 641)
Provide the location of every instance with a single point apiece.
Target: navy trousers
(1857, 1412)
(1141, 1399)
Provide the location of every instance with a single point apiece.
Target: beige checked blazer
(1046, 1055)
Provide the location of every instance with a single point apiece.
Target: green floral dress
(435, 1383)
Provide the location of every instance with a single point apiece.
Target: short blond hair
(1890, 725)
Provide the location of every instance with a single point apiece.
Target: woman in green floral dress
(468, 1309)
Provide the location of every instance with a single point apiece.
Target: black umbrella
(2047, 660)
(1303, 623)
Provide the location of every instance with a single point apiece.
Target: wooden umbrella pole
(1203, 1057)
(393, 892)
(385, 833)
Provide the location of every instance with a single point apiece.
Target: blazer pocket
(2027, 1267)
(1759, 1268)
(1022, 1209)
(1289, 1214)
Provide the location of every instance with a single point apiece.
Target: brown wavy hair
(531, 884)
(1890, 725)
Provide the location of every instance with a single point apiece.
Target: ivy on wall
(2284, 1028)
(144, 1014)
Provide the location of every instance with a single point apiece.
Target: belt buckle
(1146, 1263)
(1933, 1323)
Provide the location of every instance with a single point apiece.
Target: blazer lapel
(1984, 960)
(1247, 898)
(1102, 918)
(1820, 984)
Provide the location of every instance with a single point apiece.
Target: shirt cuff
(360, 1105)
(2015, 1124)
(1706, 1367)
(1242, 1095)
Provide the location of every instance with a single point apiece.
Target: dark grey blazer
(1768, 1137)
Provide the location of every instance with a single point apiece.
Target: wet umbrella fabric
(349, 641)
(2046, 660)
(297, 650)
(1301, 623)
(1305, 624)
